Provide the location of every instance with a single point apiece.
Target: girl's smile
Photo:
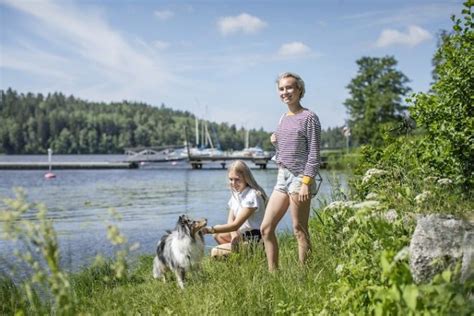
(288, 90)
(236, 182)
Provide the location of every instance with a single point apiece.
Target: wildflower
(339, 204)
(369, 174)
(445, 181)
(345, 230)
(422, 197)
(366, 204)
(391, 215)
(376, 245)
(402, 254)
(372, 196)
(351, 220)
(113, 234)
(430, 179)
(339, 268)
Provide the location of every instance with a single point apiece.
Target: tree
(437, 59)
(446, 112)
(376, 98)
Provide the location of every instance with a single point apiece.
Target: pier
(195, 157)
(66, 165)
(138, 156)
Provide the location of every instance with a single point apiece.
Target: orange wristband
(307, 180)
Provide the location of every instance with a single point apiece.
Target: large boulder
(438, 242)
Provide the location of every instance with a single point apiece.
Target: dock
(66, 165)
(197, 162)
(195, 158)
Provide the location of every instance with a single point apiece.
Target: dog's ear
(183, 219)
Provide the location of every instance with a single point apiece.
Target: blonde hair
(299, 81)
(241, 168)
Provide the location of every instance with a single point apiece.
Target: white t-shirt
(248, 198)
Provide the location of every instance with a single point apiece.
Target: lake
(150, 199)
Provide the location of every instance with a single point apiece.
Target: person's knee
(266, 231)
(300, 233)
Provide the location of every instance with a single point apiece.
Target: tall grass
(358, 265)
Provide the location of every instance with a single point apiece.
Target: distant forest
(32, 123)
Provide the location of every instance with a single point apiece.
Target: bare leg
(276, 208)
(300, 217)
(221, 250)
(222, 238)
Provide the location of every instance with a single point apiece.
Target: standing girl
(297, 141)
(246, 211)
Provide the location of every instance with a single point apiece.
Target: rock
(438, 242)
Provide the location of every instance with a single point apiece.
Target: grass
(239, 284)
(355, 267)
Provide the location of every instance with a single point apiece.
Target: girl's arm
(230, 217)
(230, 220)
(313, 136)
(236, 222)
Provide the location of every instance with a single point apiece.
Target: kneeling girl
(246, 211)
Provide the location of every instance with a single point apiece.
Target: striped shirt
(298, 143)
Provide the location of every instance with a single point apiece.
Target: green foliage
(332, 137)
(38, 249)
(376, 98)
(44, 287)
(33, 123)
(446, 113)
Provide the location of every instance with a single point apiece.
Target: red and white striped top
(299, 143)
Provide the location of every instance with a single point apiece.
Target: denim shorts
(289, 183)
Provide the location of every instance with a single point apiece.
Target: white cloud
(293, 49)
(161, 45)
(244, 23)
(94, 57)
(414, 36)
(164, 14)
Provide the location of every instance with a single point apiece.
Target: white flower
(339, 204)
(376, 245)
(372, 173)
(366, 204)
(339, 268)
(351, 220)
(431, 179)
(345, 230)
(372, 196)
(422, 197)
(391, 215)
(445, 181)
(402, 254)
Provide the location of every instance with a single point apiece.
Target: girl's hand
(304, 193)
(273, 139)
(207, 230)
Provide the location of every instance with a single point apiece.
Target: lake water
(150, 199)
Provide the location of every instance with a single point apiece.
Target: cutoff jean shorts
(290, 183)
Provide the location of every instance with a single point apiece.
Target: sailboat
(256, 151)
(204, 145)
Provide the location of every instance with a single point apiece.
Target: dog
(180, 250)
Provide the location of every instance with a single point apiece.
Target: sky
(216, 59)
